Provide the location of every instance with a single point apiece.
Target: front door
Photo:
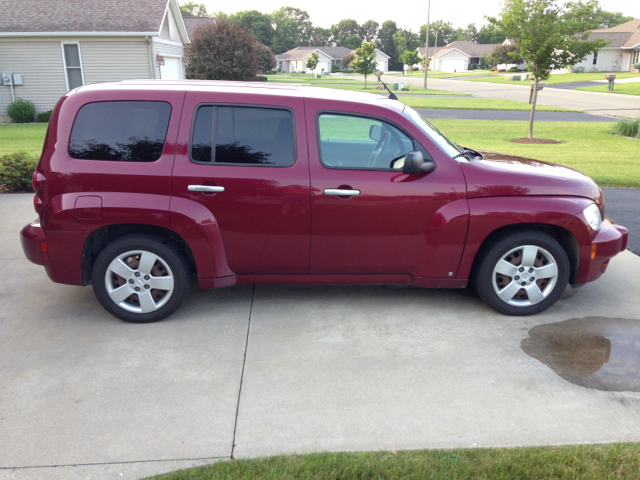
(248, 165)
(367, 216)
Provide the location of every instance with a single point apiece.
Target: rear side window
(243, 136)
(120, 131)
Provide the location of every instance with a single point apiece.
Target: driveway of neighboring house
(512, 115)
(588, 102)
(251, 371)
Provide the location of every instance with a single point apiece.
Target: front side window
(243, 136)
(120, 131)
(72, 65)
(352, 142)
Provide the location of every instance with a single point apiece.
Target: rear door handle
(205, 188)
(339, 192)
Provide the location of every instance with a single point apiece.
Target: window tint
(359, 142)
(121, 131)
(243, 135)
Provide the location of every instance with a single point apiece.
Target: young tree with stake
(364, 62)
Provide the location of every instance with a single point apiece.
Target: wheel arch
(101, 237)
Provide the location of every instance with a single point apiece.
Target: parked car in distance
(145, 186)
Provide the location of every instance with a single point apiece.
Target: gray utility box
(17, 79)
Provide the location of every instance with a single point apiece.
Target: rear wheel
(522, 273)
(141, 278)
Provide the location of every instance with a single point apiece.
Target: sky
(407, 14)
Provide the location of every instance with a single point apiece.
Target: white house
(458, 55)
(58, 45)
(620, 54)
(295, 60)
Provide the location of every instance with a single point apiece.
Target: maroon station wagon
(145, 186)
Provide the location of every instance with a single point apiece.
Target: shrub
(260, 78)
(21, 111)
(577, 69)
(16, 171)
(636, 66)
(335, 68)
(628, 128)
(513, 69)
(43, 117)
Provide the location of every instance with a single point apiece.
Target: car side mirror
(414, 162)
(375, 132)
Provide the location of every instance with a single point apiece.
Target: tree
(257, 23)
(444, 29)
(192, 9)
(411, 57)
(369, 31)
(347, 59)
(385, 40)
(266, 58)
(343, 31)
(352, 42)
(312, 61)
(292, 29)
(222, 51)
(505, 54)
(547, 39)
(364, 62)
(320, 36)
(593, 16)
(492, 32)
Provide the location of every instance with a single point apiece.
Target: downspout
(152, 56)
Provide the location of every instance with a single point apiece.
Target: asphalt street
(622, 205)
(243, 372)
(513, 115)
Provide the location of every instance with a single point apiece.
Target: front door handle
(339, 192)
(205, 188)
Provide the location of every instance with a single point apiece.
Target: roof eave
(77, 34)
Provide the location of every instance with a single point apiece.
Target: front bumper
(609, 241)
(34, 243)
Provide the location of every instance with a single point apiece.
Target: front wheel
(522, 273)
(141, 278)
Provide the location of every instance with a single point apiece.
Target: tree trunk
(365, 81)
(533, 106)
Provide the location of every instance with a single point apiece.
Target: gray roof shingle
(191, 23)
(470, 48)
(299, 53)
(40, 16)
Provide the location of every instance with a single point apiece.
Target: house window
(72, 65)
(595, 58)
(636, 57)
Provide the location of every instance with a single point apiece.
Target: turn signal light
(593, 251)
(45, 251)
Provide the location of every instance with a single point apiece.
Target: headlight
(592, 215)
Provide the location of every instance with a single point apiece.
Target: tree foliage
(192, 9)
(312, 61)
(369, 31)
(222, 51)
(257, 23)
(386, 44)
(591, 14)
(293, 28)
(266, 58)
(364, 62)
(492, 32)
(347, 59)
(505, 54)
(547, 39)
(411, 57)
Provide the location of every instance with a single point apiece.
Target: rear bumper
(610, 240)
(34, 243)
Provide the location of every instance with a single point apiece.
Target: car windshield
(443, 142)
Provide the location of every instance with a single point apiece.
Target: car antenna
(392, 95)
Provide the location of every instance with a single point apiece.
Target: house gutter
(152, 56)
(76, 34)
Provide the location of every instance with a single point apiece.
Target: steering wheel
(380, 146)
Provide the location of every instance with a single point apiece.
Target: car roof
(251, 88)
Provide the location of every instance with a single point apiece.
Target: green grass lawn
(612, 161)
(474, 104)
(373, 88)
(585, 462)
(557, 78)
(622, 88)
(27, 136)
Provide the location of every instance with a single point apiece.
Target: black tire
(489, 283)
(170, 263)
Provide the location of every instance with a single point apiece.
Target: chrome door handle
(205, 188)
(337, 192)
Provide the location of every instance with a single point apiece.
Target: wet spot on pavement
(594, 352)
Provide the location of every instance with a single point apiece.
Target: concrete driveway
(596, 103)
(258, 371)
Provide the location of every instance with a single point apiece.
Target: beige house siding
(41, 64)
(167, 49)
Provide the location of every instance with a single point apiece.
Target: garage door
(171, 69)
(318, 69)
(459, 65)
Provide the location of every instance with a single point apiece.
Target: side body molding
(198, 227)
